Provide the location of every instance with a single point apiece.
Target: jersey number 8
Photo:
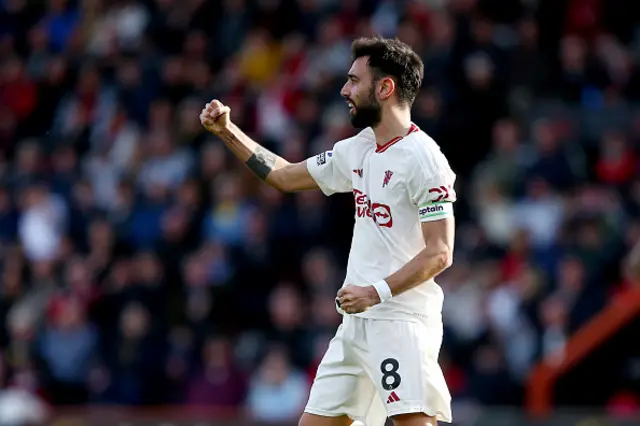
(390, 377)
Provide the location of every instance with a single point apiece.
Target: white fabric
(394, 190)
(383, 290)
(395, 187)
(41, 228)
(21, 407)
(350, 378)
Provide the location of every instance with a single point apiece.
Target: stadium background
(142, 266)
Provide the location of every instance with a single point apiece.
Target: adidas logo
(392, 398)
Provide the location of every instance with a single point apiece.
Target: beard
(367, 113)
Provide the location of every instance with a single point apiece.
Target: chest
(380, 176)
(379, 189)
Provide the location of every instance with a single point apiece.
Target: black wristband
(258, 166)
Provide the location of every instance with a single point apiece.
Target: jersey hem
(405, 316)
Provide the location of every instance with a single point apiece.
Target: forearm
(424, 266)
(257, 158)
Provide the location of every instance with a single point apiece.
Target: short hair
(389, 57)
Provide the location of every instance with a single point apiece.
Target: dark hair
(389, 57)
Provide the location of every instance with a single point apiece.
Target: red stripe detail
(381, 148)
(393, 397)
(384, 147)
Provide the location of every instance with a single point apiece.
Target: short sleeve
(330, 169)
(431, 185)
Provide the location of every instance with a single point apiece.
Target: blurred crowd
(141, 264)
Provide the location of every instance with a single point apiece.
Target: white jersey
(396, 186)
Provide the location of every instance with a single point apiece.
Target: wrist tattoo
(229, 139)
(261, 162)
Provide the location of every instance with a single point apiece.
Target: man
(383, 360)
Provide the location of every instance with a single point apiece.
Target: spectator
(617, 163)
(135, 359)
(128, 236)
(218, 383)
(230, 212)
(42, 223)
(68, 347)
(277, 392)
(540, 213)
(17, 90)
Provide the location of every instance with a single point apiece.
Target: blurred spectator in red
(617, 163)
(17, 91)
(218, 382)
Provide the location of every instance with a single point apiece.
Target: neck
(396, 121)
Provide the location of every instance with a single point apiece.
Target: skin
(395, 120)
(432, 260)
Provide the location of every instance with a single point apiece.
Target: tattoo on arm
(261, 162)
(230, 140)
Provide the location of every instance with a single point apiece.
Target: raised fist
(215, 117)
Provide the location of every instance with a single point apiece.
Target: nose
(344, 92)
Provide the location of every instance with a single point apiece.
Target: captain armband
(435, 211)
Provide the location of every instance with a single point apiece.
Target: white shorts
(374, 369)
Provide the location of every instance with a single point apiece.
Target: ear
(386, 87)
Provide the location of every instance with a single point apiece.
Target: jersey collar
(384, 147)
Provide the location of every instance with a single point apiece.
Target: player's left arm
(431, 261)
(431, 190)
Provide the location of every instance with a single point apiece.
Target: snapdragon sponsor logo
(380, 213)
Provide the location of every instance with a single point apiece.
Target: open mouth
(351, 106)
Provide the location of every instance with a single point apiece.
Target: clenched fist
(215, 117)
(354, 299)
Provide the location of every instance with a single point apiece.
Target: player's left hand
(354, 299)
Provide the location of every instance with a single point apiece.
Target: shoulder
(422, 151)
(365, 136)
(422, 145)
(354, 143)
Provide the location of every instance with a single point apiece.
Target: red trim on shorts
(384, 147)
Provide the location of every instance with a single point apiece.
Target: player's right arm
(269, 167)
(327, 171)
